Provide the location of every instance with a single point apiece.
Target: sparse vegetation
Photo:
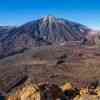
(74, 65)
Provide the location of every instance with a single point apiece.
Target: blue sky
(17, 12)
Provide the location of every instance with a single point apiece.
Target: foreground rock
(41, 92)
(53, 92)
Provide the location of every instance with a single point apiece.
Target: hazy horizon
(17, 12)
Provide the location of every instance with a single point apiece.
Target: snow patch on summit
(49, 18)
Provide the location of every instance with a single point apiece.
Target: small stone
(67, 87)
(98, 91)
(84, 92)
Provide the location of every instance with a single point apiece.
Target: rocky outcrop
(54, 92)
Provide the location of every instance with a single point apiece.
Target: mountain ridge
(44, 31)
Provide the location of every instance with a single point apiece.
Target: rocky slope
(52, 64)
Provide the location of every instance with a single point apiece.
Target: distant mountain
(4, 30)
(92, 38)
(45, 31)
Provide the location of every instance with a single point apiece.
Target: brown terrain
(54, 64)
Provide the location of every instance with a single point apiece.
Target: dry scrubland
(75, 64)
